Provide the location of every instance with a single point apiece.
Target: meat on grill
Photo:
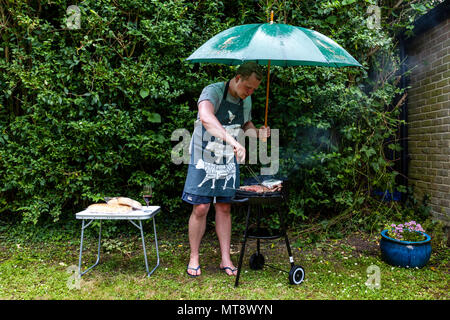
(257, 188)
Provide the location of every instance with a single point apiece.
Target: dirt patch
(362, 245)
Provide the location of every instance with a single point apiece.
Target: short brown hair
(248, 68)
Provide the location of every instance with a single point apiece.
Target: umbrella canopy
(273, 43)
(281, 44)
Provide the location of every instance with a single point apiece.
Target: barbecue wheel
(256, 261)
(296, 275)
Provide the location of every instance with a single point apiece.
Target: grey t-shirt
(214, 93)
(213, 170)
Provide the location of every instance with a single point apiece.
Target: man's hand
(239, 151)
(264, 132)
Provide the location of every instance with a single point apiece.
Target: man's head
(248, 77)
(246, 69)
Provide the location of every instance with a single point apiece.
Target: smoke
(309, 148)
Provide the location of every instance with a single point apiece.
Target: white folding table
(138, 215)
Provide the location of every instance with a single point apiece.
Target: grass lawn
(335, 269)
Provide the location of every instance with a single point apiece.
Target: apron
(213, 170)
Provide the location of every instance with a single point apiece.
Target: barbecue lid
(261, 178)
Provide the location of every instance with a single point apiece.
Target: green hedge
(89, 113)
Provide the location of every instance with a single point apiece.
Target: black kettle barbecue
(256, 192)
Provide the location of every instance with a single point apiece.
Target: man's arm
(213, 126)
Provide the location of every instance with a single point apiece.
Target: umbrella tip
(271, 16)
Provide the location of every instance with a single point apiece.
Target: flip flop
(224, 269)
(195, 269)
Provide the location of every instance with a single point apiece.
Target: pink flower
(406, 231)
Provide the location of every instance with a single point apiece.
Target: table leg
(149, 273)
(156, 245)
(83, 226)
(143, 245)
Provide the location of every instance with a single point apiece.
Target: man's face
(246, 87)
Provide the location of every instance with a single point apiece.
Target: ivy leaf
(346, 2)
(331, 19)
(154, 117)
(144, 93)
(159, 138)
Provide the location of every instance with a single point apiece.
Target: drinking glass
(147, 193)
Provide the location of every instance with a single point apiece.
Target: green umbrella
(281, 44)
(272, 43)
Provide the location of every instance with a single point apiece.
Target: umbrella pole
(268, 80)
(267, 93)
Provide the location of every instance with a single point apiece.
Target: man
(213, 173)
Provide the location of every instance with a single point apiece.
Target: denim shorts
(195, 199)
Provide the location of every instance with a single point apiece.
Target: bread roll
(106, 208)
(125, 201)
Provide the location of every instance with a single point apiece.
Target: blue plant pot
(407, 254)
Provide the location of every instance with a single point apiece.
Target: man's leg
(197, 225)
(223, 230)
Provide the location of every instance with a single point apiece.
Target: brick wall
(429, 118)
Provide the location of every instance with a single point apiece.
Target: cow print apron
(213, 170)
